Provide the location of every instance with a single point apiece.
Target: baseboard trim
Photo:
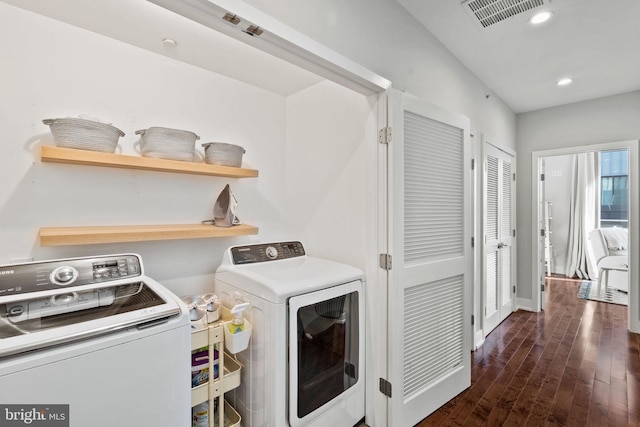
(524, 304)
(478, 340)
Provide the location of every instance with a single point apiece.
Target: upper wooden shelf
(63, 236)
(96, 158)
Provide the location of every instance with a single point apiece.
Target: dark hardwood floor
(575, 364)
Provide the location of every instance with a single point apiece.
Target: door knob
(502, 245)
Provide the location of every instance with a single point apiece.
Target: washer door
(324, 349)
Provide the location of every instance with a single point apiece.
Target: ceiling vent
(489, 12)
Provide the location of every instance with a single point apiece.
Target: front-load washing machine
(304, 365)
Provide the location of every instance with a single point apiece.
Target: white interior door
(430, 280)
(499, 255)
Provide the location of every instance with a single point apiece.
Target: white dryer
(305, 362)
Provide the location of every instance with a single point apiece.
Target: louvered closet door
(498, 237)
(429, 285)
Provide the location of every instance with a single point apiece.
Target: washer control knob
(64, 275)
(272, 252)
(64, 299)
(16, 310)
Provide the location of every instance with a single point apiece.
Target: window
(614, 188)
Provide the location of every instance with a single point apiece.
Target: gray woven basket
(220, 153)
(167, 143)
(84, 134)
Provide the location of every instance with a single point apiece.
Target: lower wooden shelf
(63, 236)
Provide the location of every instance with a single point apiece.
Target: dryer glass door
(324, 336)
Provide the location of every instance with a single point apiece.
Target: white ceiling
(595, 42)
(145, 25)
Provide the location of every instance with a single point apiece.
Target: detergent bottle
(237, 323)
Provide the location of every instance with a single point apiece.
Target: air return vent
(490, 12)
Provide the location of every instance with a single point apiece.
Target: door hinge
(473, 320)
(542, 232)
(514, 176)
(541, 177)
(385, 387)
(514, 232)
(473, 164)
(473, 242)
(514, 289)
(542, 287)
(384, 135)
(385, 261)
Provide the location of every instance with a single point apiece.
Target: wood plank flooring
(575, 364)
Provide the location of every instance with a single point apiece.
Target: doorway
(499, 236)
(540, 171)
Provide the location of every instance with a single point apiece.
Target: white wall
(327, 170)
(609, 119)
(557, 190)
(51, 70)
(382, 36)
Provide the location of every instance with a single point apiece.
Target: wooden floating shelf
(96, 158)
(64, 236)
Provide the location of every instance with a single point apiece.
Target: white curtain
(580, 261)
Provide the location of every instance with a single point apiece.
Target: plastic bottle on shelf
(200, 415)
(237, 323)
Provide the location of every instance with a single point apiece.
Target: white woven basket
(167, 143)
(220, 153)
(84, 134)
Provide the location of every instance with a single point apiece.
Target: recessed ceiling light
(564, 82)
(541, 17)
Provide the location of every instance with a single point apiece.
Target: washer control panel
(265, 252)
(69, 302)
(53, 275)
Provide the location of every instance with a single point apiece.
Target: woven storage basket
(220, 153)
(166, 143)
(84, 134)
